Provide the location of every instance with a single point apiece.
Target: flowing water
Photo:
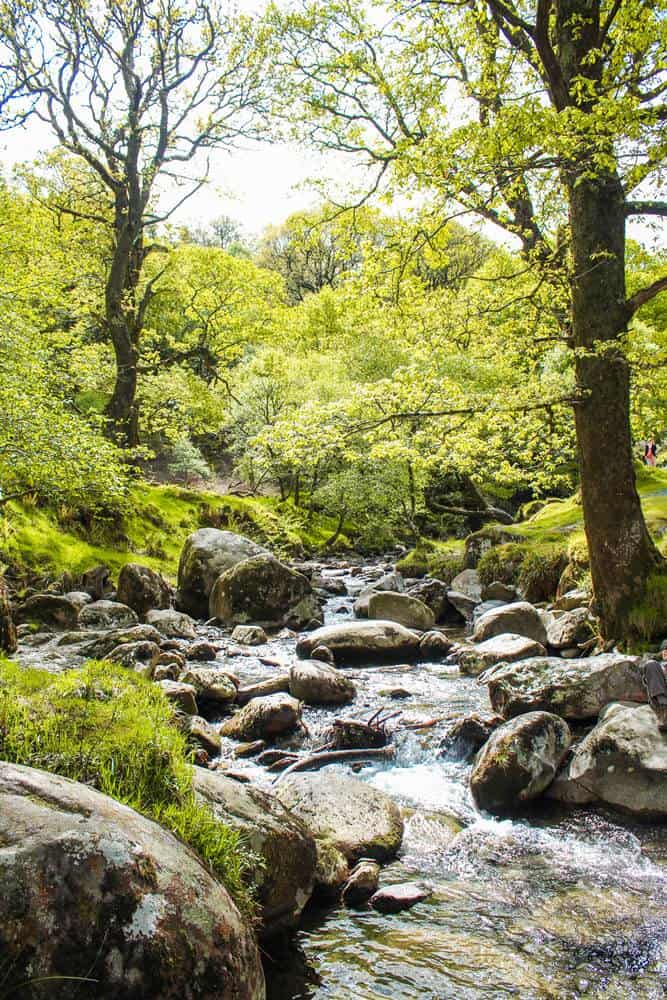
(565, 904)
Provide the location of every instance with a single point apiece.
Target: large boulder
(142, 589)
(264, 591)
(212, 684)
(92, 889)
(54, 610)
(172, 624)
(263, 718)
(468, 582)
(318, 683)
(364, 640)
(106, 614)
(621, 762)
(482, 541)
(285, 880)
(518, 762)
(507, 648)
(409, 611)
(519, 618)
(433, 593)
(345, 813)
(570, 629)
(573, 689)
(462, 604)
(391, 582)
(206, 554)
(98, 645)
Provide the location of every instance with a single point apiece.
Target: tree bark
(8, 640)
(622, 553)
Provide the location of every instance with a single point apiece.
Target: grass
(433, 558)
(152, 532)
(110, 728)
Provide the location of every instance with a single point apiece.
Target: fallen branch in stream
(317, 760)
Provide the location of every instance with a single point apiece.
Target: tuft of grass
(113, 729)
(648, 617)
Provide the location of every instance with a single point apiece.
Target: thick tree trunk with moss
(622, 554)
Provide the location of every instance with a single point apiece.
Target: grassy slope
(160, 518)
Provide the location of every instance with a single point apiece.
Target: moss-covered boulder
(91, 889)
(518, 762)
(263, 591)
(347, 814)
(53, 610)
(212, 684)
(142, 589)
(574, 689)
(285, 879)
(205, 555)
(480, 542)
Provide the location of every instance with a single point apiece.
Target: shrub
(186, 462)
(110, 728)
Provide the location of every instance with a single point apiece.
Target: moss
(648, 617)
(442, 560)
(534, 570)
(111, 728)
(151, 531)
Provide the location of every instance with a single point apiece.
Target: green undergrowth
(113, 729)
(151, 530)
(433, 558)
(648, 617)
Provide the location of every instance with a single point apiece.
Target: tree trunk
(122, 407)
(621, 551)
(7, 627)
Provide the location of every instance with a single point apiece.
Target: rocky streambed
(555, 902)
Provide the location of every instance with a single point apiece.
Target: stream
(565, 904)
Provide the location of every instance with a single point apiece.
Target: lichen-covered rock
(211, 684)
(434, 645)
(142, 589)
(362, 640)
(570, 629)
(390, 582)
(482, 541)
(207, 554)
(621, 762)
(92, 889)
(249, 635)
(106, 614)
(361, 883)
(201, 733)
(520, 618)
(54, 610)
(518, 762)
(573, 599)
(467, 735)
(505, 648)
(573, 689)
(401, 608)
(462, 603)
(264, 591)
(202, 652)
(318, 683)
(172, 624)
(264, 718)
(183, 696)
(356, 819)
(285, 881)
(468, 582)
(139, 656)
(433, 593)
(98, 645)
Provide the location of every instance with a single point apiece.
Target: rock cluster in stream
(313, 832)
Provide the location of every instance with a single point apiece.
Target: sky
(262, 183)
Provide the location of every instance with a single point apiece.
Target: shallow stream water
(565, 904)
